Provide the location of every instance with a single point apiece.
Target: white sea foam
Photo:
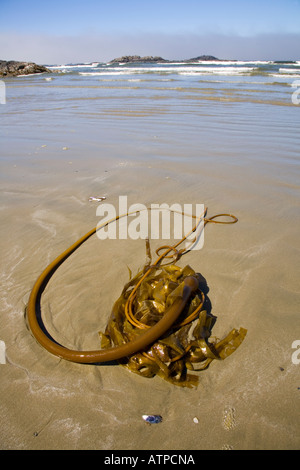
(105, 73)
(281, 75)
(30, 74)
(292, 71)
(186, 68)
(296, 64)
(234, 62)
(75, 66)
(217, 71)
(181, 70)
(219, 62)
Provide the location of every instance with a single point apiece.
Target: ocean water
(223, 134)
(177, 110)
(172, 88)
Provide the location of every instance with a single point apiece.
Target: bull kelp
(186, 346)
(160, 325)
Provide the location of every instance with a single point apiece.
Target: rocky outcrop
(136, 58)
(133, 59)
(13, 68)
(202, 57)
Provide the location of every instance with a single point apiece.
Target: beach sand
(248, 401)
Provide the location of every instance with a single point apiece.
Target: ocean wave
(258, 68)
(30, 75)
(218, 71)
(187, 68)
(235, 62)
(74, 66)
(219, 62)
(291, 64)
(105, 73)
(291, 71)
(281, 75)
(182, 70)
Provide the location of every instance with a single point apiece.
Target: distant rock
(12, 68)
(136, 58)
(202, 57)
(133, 59)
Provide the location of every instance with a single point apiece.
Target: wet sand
(248, 401)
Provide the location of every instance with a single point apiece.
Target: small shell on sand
(152, 419)
(97, 198)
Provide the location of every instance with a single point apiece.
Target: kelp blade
(185, 347)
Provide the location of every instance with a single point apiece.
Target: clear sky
(60, 31)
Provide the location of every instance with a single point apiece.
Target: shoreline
(12, 68)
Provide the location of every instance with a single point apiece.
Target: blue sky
(87, 30)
